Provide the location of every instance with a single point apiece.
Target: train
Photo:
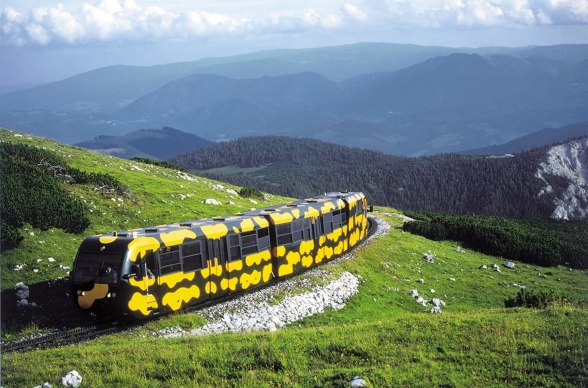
(146, 272)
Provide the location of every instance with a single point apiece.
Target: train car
(145, 272)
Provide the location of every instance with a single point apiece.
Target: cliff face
(565, 177)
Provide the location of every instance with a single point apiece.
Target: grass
(155, 199)
(382, 334)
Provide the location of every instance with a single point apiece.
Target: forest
(461, 184)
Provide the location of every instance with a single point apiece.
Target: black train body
(145, 272)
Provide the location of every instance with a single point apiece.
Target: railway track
(81, 334)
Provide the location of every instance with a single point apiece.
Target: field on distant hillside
(382, 335)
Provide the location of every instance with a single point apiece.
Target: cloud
(482, 13)
(114, 20)
(129, 20)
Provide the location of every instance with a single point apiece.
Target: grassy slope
(382, 335)
(155, 200)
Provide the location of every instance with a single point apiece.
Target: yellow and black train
(145, 272)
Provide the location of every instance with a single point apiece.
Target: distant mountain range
(158, 144)
(535, 139)
(543, 182)
(400, 99)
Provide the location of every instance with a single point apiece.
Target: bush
(160, 163)
(10, 237)
(538, 300)
(31, 193)
(543, 242)
(250, 192)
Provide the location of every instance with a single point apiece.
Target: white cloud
(354, 12)
(134, 20)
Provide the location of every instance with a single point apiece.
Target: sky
(44, 41)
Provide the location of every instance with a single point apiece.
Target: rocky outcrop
(565, 179)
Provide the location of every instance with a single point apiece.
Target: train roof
(241, 222)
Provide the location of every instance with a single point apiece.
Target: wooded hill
(503, 186)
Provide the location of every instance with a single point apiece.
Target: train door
(218, 276)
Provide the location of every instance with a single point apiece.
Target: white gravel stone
(357, 382)
(435, 310)
(211, 201)
(429, 257)
(71, 379)
(253, 311)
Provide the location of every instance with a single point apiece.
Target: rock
(437, 302)
(357, 382)
(459, 249)
(22, 290)
(211, 201)
(51, 259)
(414, 293)
(429, 257)
(496, 268)
(432, 290)
(451, 279)
(422, 281)
(71, 379)
(435, 310)
(46, 385)
(22, 303)
(509, 264)
(483, 266)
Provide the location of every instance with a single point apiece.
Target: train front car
(96, 278)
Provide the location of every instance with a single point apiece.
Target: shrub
(538, 300)
(542, 242)
(160, 163)
(250, 192)
(31, 193)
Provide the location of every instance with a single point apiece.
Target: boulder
(429, 257)
(211, 201)
(357, 382)
(509, 264)
(435, 310)
(71, 379)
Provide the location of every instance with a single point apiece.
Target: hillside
(158, 195)
(505, 186)
(159, 144)
(384, 333)
(399, 99)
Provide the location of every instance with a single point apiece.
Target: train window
(337, 220)
(297, 230)
(98, 267)
(327, 223)
(307, 229)
(263, 239)
(192, 256)
(234, 247)
(284, 234)
(248, 243)
(358, 207)
(169, 260)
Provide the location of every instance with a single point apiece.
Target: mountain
(503, 186)
(447, 103)
(534, 139)
(153, 143)
(411, 100)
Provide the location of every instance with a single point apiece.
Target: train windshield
(98, 267)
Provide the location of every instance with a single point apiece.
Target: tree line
(452, 183)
